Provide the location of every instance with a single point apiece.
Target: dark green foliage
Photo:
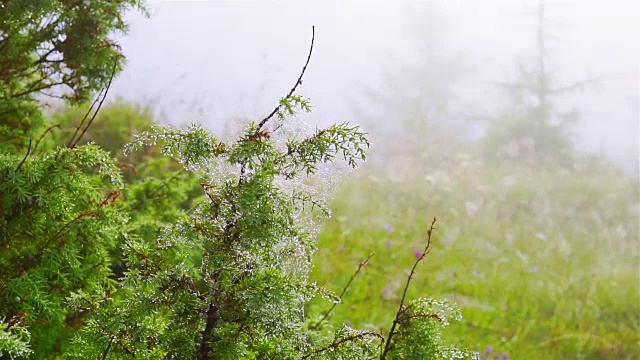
(54, 48)
(157, 192)
(57, 226)
(157, 184)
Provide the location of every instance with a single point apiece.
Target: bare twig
(41, 92)
(84, 118)
(49, 129)
(72, 142)
(344, 290)
(580, 85)
(259, 133)
(43, 57)
(295, 86)
(396, 321)
(25, 156)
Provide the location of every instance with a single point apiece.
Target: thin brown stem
(295, 86)
(106, 351)
(84, 118)
(104, 96)
(49, 129)
(344, 290)
(25, 156)
(396, 321)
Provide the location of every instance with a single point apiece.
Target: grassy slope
(543, 263)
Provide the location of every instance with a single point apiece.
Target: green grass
(544, 263)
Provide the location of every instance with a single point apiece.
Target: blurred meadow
(537, 239)
(543, 262)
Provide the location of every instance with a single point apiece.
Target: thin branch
(59, 232)
(25, 156)
(580, 85)
(336, 343)
(123, 346)
(396, 321)
(259, 131)
(295, 86)
(49, 129)
(104, 96)
(59, 97)
(43, 57)
(84, 118)
(243, 171)
(33, 89)
(106, 351)
(344, 290)
(28, 263)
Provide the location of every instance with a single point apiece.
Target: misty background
(212, 62)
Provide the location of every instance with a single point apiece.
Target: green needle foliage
(231, 280)
(58, 48)
(419, 334)
(14, 340)
(57, 227)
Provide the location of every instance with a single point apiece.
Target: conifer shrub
(58, 222)
(231, 279)
(54, 48)
(93, 267)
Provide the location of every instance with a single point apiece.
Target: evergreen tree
(57, 226)
(54, 48)
(413, 105)
(59, 217)
(230, 281)
(226, 280)
(532, 127)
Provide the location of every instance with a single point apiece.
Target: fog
(212, 62)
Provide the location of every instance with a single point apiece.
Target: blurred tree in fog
(417, 95)
(532, 127)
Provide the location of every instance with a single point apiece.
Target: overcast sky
(212, 61)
